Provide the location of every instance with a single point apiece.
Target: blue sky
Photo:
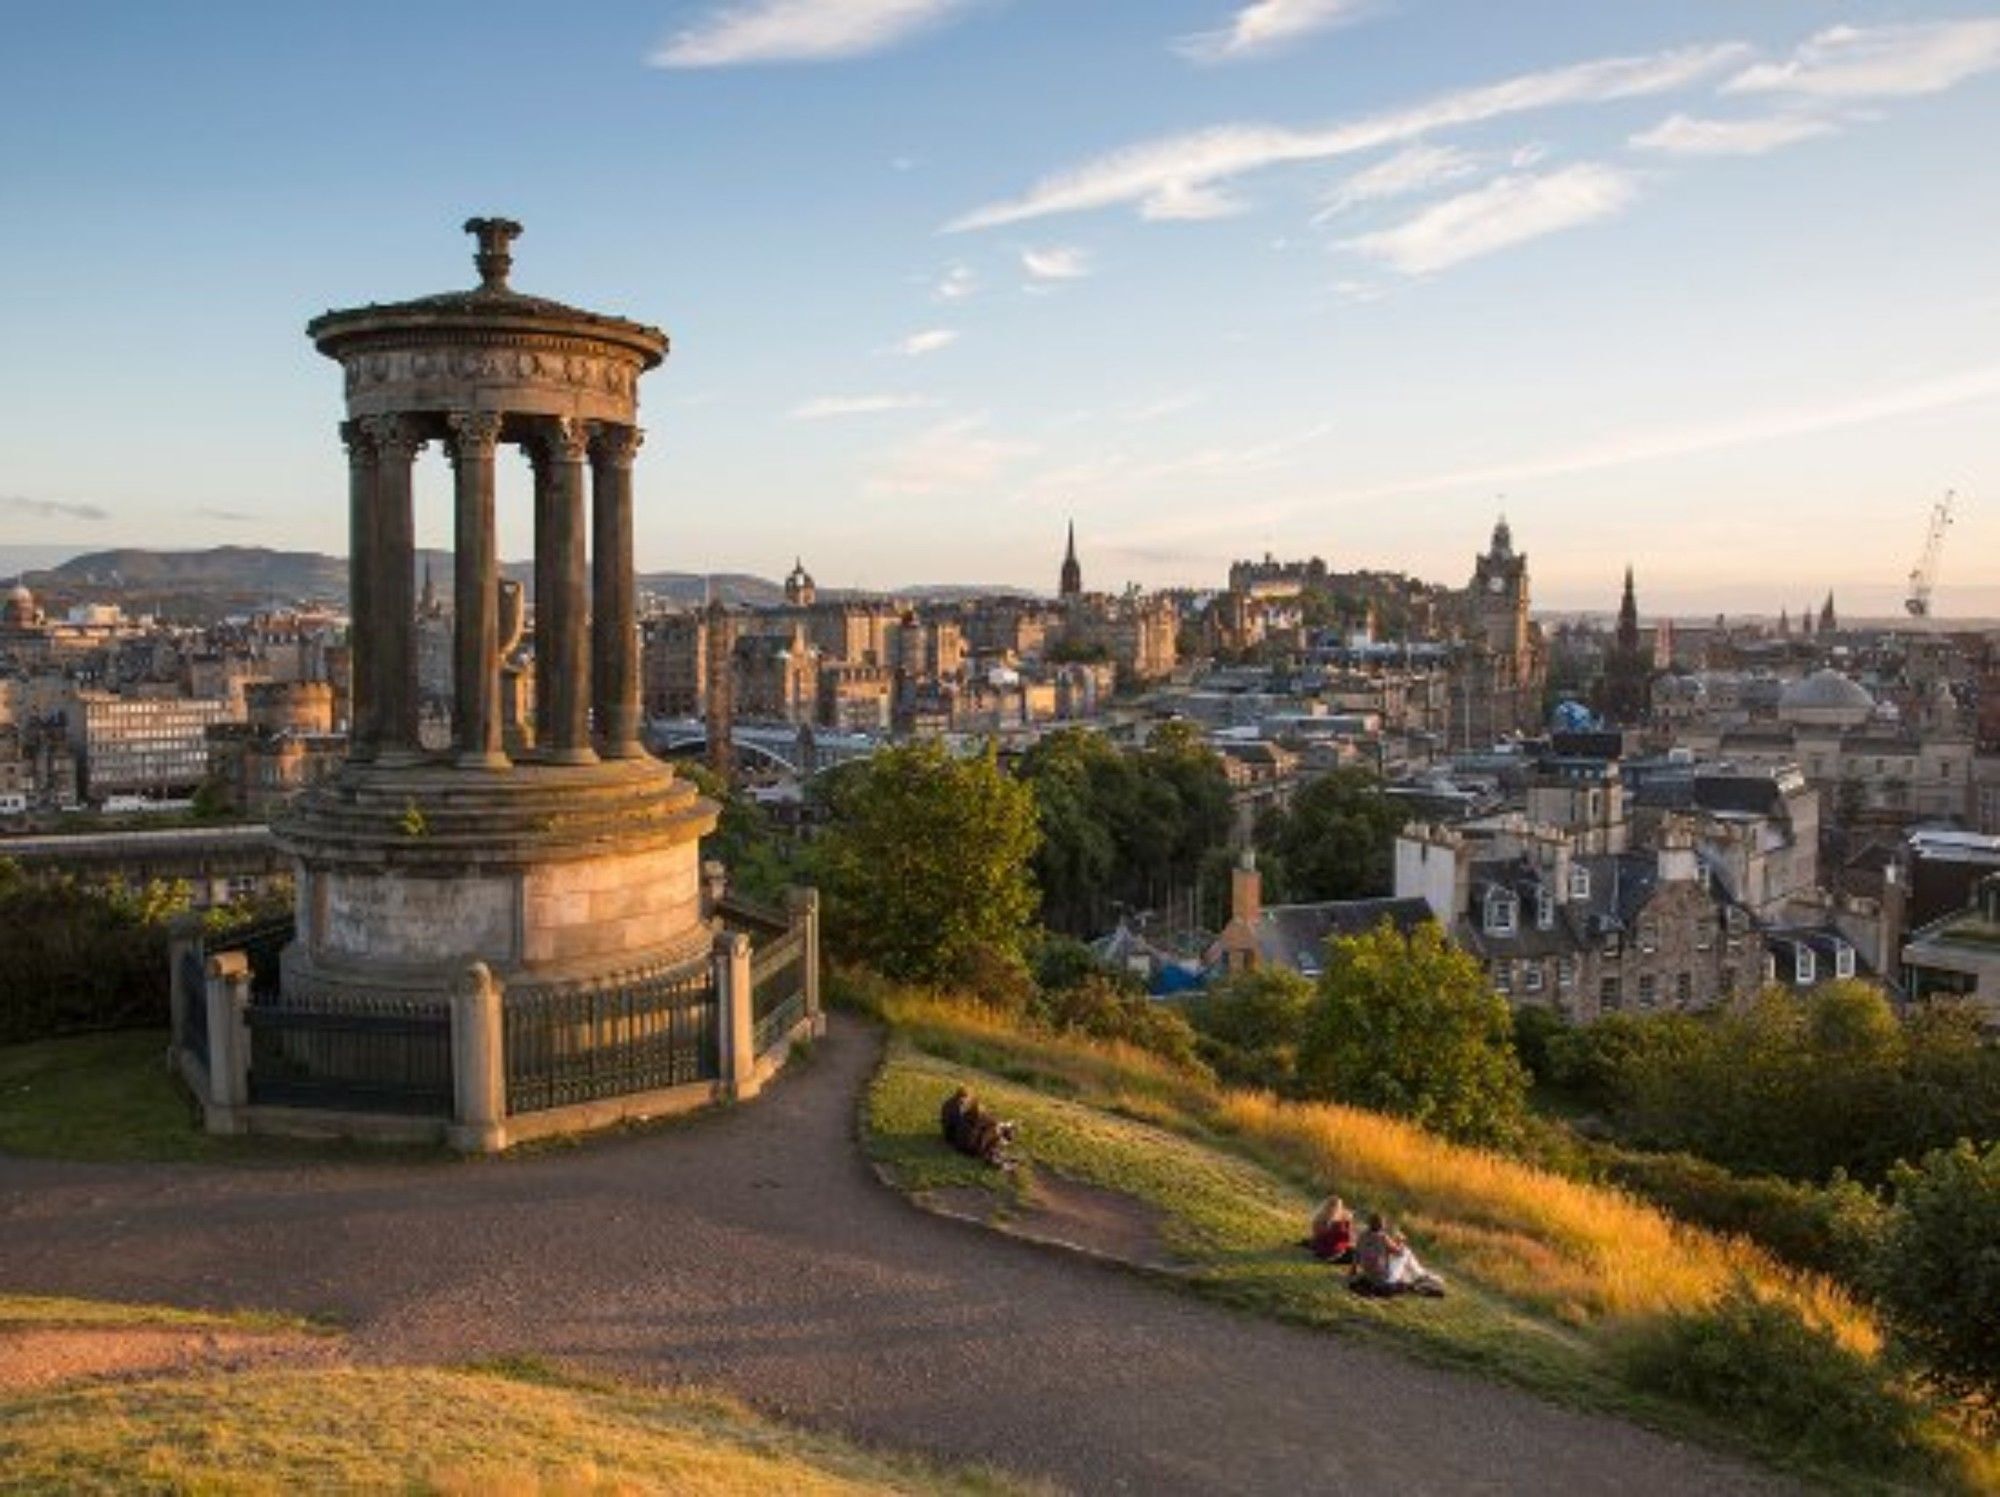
(1705, 285)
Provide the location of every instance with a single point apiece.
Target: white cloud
(1506, 211)
(956, 455)
(1057, 263)
(822, 407)
(1879, 62)
(1413, 169)
(753, 31)
(1266, 26)
(930, 340)
(1683, 135)
(1179, 176)
(1967, 387)
(956, 284)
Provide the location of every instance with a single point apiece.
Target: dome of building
(1826, 697)
(19, 607)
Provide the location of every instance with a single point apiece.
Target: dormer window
(1501, 913)
(1843, 960)
(1807, 971)
(1545, 908)
(1579, 883)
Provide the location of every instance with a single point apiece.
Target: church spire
(1072, 569)
(1628, 616)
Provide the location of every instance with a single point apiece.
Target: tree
(924, 863)
(1939, 1271)
(1251, 1025)
(743, 841)
(1337, 840)
(1410, 1025)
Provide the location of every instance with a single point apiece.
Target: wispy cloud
(755, 31)
(930, 340)
(1057, 263)
(827, 407)
(1506, 211)
(953, 456)
(1879, 62)
(1684, 135)
(231, 516)
(1181, 176)
(1267, 26)
(1413, 169)
(51, 509)
(1967, 387)
(956, 284)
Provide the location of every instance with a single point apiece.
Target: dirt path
(755, 1250)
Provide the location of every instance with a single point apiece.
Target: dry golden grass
(396, 1429)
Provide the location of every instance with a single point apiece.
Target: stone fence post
(804, 905)
(714, 888)
(478, 1064)
(183, 937)
(228, 1041)
(735, 1003)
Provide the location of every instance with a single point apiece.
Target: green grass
(498, 1429)
(1232, 1224)
(109, 1097)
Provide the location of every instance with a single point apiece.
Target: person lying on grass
(1385, 1267)
(1332, 1231)
(971, 1129)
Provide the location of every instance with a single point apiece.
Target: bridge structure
(783, 747)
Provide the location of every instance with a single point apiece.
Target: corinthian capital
(613, 446)
(563, 439)
(474, 434)
(360, 449)
(395, 438)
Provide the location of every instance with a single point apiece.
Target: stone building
(142, 745)
(1501, 669)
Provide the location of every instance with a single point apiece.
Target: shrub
(77, 956)
(1832, 1229)
(1759, 1364)
(1939, 1270)
(1250, 1026)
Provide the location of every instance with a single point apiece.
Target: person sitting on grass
(1333, 1231)
(1385, 1267)
(971, 1129)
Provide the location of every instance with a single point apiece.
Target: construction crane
(1923, 576)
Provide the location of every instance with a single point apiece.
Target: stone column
(392, 586)
(562, 639)
(478, 1064)
(475, 594)
(614, 610)
(361, 727)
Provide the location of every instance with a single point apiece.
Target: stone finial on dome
(495, 257)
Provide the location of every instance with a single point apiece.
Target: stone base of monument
(551, 875)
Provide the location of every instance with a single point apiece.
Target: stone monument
(556, 851)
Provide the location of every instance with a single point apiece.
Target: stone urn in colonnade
(556, 851)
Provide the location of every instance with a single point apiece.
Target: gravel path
(753, 1249)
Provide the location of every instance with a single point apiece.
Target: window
(1649, 934)
(1683, 988)
(1579, 883)
(1646, 988)
(1808, 965)
(1843, 960)
(1545, 908)
(1531, 978)
(1607, 993)
(1500, 913)
(1704, 937)
(1503, 977)
(1566, 974)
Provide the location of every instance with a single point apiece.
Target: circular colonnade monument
(555, 850)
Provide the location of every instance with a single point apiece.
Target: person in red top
(1333, 1231)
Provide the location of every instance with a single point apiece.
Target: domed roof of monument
(1826, 689)
(491, 305)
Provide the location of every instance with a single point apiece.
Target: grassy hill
(1581, 1293)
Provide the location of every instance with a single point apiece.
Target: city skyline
(1701, 291)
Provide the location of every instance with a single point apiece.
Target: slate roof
(1295, 935)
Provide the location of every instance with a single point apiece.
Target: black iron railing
(778, 987)
(564, 1048)
(194, 1003)
(378, 1055)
